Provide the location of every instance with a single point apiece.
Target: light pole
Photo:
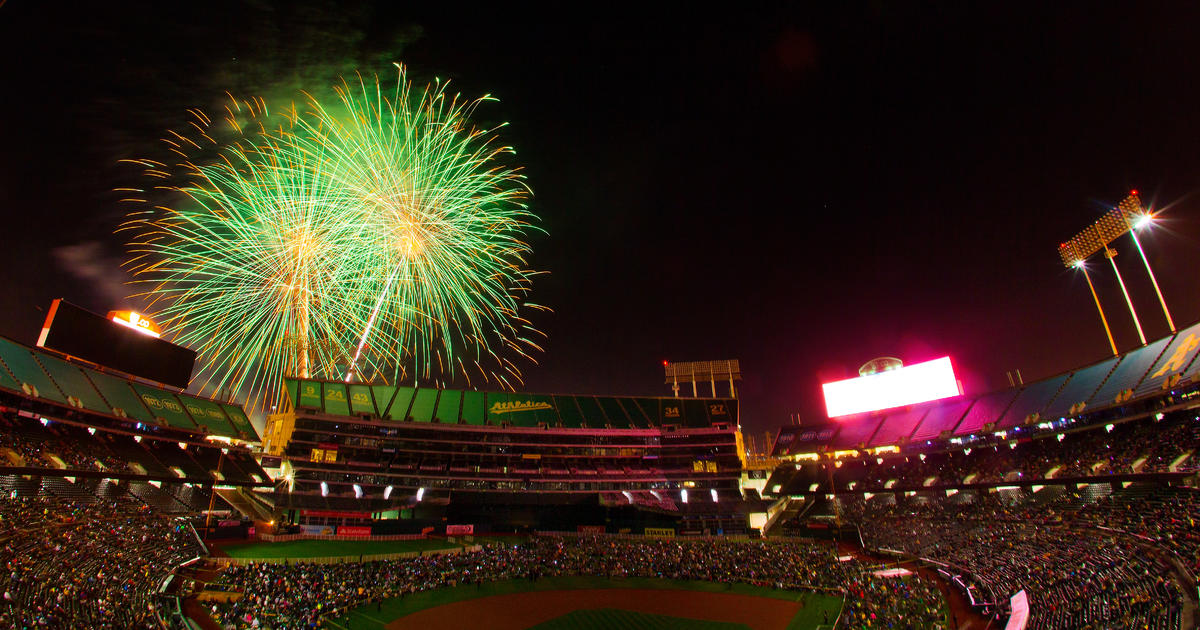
(1108, 331)
(1111, 255)
(1144, 221)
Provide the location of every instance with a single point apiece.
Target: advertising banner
(591, 529)
(460, 530)
(317, 530)
(661, 532)
(353, 530)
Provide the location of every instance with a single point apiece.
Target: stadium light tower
(1128, 216)
(696, 372)
(1141, 219)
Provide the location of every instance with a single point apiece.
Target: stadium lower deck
(121, 495)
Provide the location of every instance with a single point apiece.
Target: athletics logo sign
(514, 406)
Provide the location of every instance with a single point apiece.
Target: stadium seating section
(1090, 558)
(65, 448)
(1113, 385)
(41, 375)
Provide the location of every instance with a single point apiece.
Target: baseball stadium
(318, 418)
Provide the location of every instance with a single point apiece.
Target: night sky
(803, 189)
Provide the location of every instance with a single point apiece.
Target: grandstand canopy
(39, 375)
(1140, 373)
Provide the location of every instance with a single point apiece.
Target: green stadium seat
(723, 411)
(474, 408)
(448, 405)
(208, 415)
(423, 405)
(164, 405)
(383, 395)
(593, 416)
(310, 395)
(336, 401)
(695, 413)
(568, 410)
(360, 400)
(240, 422)
(650, 410)
(521, 410)
(670, 411)
(293, 390)
(119, 393)
(6, 379)
(71, 380)
(617, 418)
(19, 360)
(401, 403)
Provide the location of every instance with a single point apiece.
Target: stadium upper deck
(354, 441)
(1117, 384)
(45, 379)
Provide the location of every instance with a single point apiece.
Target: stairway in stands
(158, 499)
(66, 489)
(782, 511)
(248, 504)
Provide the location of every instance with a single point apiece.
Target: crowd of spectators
(1168, 517)
(38, 445)
(1148, 445)
(34, 447)
(70, 565)
(283, 596)
(1075, 575)
(872, 602)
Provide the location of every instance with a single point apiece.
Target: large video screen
(911, 384)
(74, 331)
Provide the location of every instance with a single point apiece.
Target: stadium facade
(498, 460)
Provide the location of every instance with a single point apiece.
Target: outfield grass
(300, 549)
(809, 616)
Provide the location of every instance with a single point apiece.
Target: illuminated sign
(931, 380)
(515, 406)
(130, 319)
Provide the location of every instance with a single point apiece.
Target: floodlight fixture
(1128, 216)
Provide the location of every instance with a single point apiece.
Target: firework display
(378, 235)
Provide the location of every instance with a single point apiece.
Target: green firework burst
(377, 236)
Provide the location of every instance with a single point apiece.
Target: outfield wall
(228, 561)
(271, 538)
